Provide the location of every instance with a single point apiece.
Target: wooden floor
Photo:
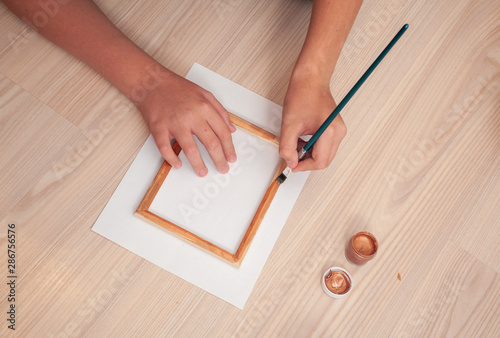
(420, 168)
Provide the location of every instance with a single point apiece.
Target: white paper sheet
(234, 285)
(219, 207)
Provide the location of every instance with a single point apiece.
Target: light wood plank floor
(420, 168)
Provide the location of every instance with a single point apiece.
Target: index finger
(188, 145)
(321, 152)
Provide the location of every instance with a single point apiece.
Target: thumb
(288, 144)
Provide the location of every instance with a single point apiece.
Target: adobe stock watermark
(75, 155)
(95, 304)
(216, 183)
(37, 20)
(224, 7)
(429, 314)
(263, 310)
(424, 149)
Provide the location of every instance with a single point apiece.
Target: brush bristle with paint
(281, 178)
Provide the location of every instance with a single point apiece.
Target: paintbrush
(281, 178)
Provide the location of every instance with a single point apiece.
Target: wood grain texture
(419, 168)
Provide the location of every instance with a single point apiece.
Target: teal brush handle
(354, 89)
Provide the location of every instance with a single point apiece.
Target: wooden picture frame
(235, 259)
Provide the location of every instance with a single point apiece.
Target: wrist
(131, 70)
(146, 79)
(314, 68)
(127, 67)
(312, 74)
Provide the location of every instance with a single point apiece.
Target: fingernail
(291, 164)
(177, 165)
(232, 128)
(224, 169)
(232, 158)
(202, 172)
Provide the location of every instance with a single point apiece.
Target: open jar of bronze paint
(336, 282)
(362, 247)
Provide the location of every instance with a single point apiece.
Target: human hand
(308, 103)
(178, 108)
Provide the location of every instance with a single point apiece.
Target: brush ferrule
(287, 171)
(302, 154)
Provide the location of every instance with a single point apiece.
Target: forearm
(308, 101)
(171, 105)
(80, 28)
(331, 21)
